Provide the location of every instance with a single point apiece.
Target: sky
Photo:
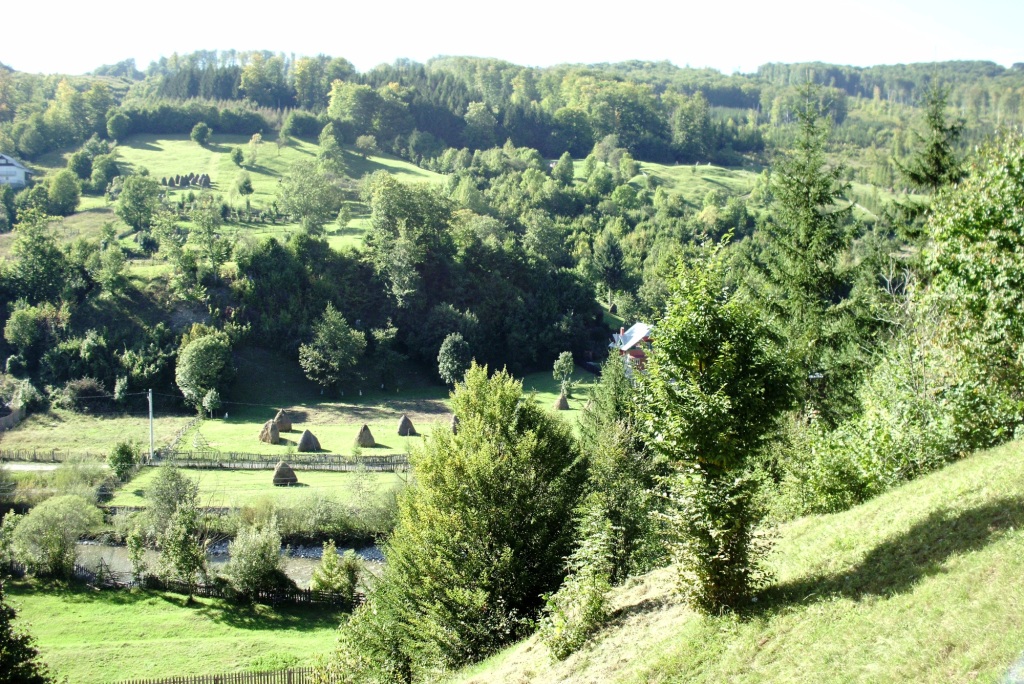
(733, 35)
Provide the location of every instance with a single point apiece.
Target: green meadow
(237, 488)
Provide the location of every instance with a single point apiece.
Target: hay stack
(365, 438)
(405, 428)
(307, 442)
(270, 433)
(561, 404)
(284, 475)
(455, 424)
(283, 421)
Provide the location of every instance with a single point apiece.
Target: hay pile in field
(308, 442)
(270, 433)
(561, 404)
(283, 421)
(284, 475)
(405, 428)
(365, 437)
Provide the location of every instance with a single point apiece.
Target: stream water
(299, 562)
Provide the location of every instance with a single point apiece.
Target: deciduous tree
(204, 364)
(138, 201)
(714, 388)
(333, 355)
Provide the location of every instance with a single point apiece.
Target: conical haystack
(561, 404)
(307, 442)
(284, 475)
(405, 428)
(365, 438)
(455, 424)
(269, 433)
(283, 420)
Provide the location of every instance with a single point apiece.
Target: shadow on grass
(255, 617)
(347, 231)
(898, 564)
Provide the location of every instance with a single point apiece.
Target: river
(299, 562)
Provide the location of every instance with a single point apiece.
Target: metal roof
(633, 336)
(10, 161)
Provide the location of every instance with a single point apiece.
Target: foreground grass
(921, 584)
(235, 488)
(91, 636)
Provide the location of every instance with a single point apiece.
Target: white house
(633, 345)
(12, 173)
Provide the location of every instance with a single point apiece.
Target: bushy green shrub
(256, 563)
(338, 574)
(123, 459)
(45, 537)
(467, 565)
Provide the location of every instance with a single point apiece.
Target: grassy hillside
(921, 584)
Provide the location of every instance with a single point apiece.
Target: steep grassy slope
(922, 584)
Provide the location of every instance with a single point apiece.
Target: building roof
(10, 161)
(632, 337)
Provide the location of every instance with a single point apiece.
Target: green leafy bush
(123, 459)
(256, 563)
(45, 537)
(338, 574)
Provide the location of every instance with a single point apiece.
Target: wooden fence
(104, 578)
(47, 455)
(297, 675)
(298, 461)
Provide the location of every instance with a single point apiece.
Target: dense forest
(849, 321)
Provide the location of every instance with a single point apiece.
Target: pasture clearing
(65, 430)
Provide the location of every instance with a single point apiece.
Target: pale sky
(730, 35)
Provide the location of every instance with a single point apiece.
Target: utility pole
(150, 426)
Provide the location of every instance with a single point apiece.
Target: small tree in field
(338, 574)
(123, 459)
(211, 402)
(563, 372)
(367, 145)
(237, 156)
(453, 358)
(333, 355)
(714, 388)
(201, 133)
(255, 143)
(182, 557)
(256, 559)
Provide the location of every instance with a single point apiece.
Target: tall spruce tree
(803, 285)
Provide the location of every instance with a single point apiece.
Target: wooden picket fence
(47, 455)
(234, 460)
(296, 675)
(107, 579)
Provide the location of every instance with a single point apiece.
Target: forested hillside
(828, 255)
